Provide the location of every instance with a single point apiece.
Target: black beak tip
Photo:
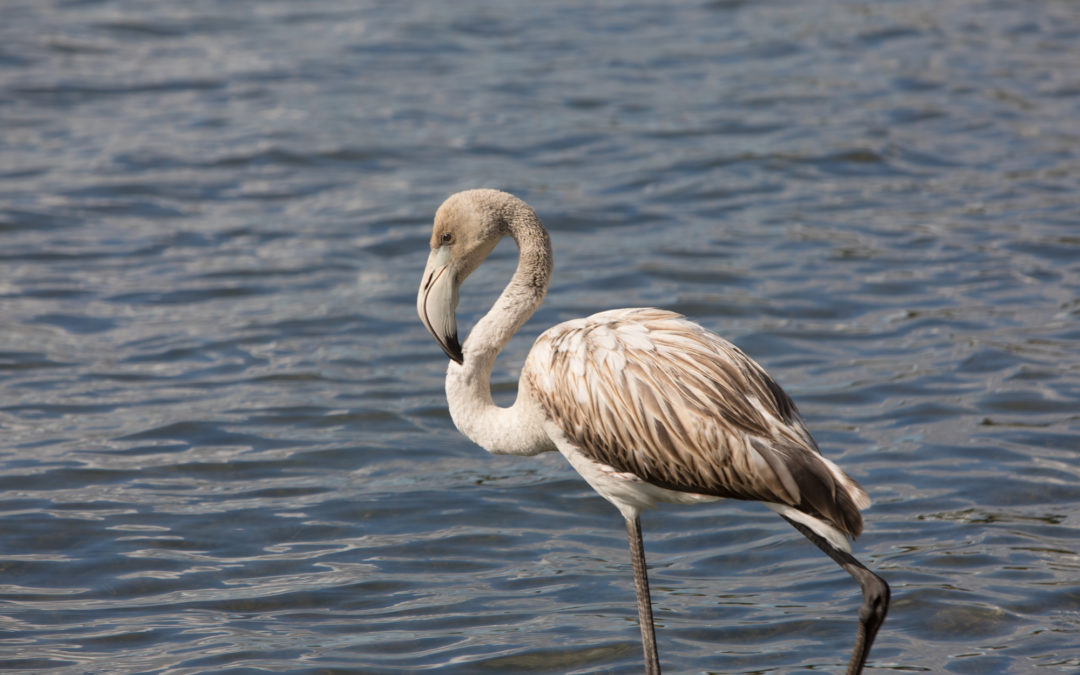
(453, 349)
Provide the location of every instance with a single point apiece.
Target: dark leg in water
(644, 602)
(875, 592)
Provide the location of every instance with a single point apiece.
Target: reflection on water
(226, 439)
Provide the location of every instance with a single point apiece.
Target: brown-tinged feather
(689, 412)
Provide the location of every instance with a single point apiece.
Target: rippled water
(225, 441)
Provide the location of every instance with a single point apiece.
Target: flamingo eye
(447, 238)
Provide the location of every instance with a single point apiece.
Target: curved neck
(468, 386)
(519, 299)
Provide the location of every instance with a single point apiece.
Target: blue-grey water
(225, 444)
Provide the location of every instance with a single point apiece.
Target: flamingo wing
(649, 393)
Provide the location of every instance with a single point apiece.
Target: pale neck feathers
(517, 429)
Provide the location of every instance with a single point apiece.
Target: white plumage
(646, 405)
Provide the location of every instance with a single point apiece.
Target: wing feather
(650, 393)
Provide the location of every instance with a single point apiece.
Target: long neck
(468, 386)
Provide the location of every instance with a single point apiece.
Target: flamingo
(646, 405)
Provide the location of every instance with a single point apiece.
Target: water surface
(226, 447)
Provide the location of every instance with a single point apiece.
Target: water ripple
(227, 443)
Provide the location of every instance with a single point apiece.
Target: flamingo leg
(875, 592)
(644, 601)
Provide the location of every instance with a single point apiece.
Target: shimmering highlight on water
(225, 440)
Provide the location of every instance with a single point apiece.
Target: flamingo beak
(436, 302)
